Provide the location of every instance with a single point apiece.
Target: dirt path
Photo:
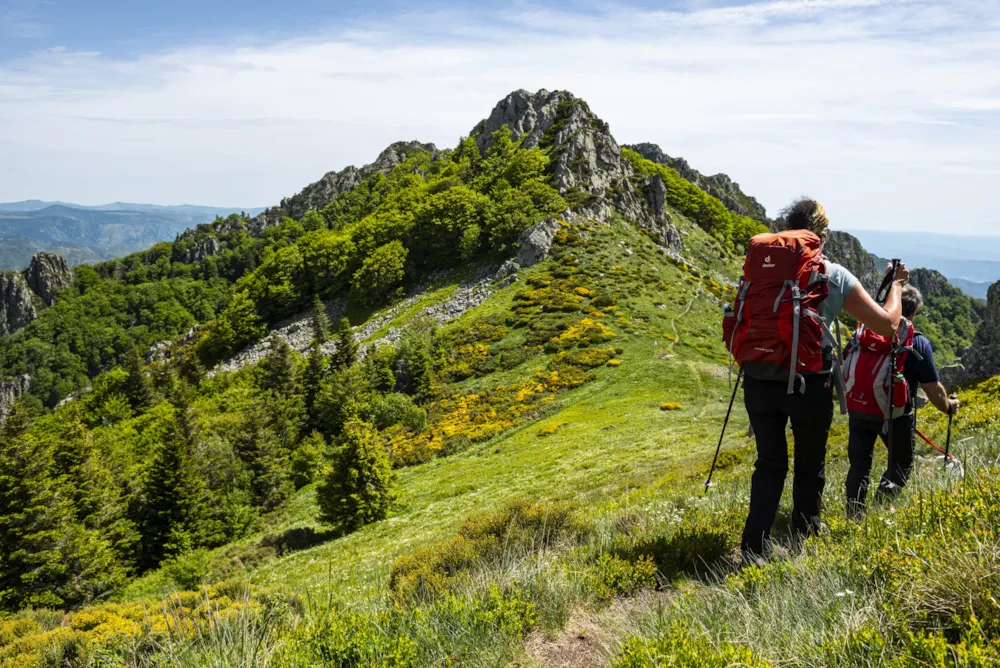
(673, 321)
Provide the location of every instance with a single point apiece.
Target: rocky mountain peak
(585, 157)
(585, 160)
(719, 186)
(48, 275)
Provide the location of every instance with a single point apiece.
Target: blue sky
(887, 110)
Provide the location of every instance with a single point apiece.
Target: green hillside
(476, 463)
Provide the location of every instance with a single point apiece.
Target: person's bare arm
(882, 320)
(939, 397)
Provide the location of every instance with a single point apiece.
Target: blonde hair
(808, 214)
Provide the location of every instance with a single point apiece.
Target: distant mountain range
(971, 263)
(93, 233)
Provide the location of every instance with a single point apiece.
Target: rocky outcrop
(48, 275)
(17, 305)
(953, 375)
(585, 157)
(846, 250)
(535, 243)
(982, 359)
(719, 186)
(204, 248)
(10, 391)
(586, 163)
(317, 195)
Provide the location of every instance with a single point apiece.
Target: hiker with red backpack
(778, 331)
(878, 368)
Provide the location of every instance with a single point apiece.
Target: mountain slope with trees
(360, 498)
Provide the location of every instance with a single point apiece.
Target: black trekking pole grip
(947, 443)
(715, 460)
(883, 290)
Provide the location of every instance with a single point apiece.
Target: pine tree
(271, 467)
(278, 370)
(49, 559)
(98, 501)
(360, 487)
(346, 353)
(379, 362)
(321, 322)
(175, 513)
(138, 387)
(312, 380)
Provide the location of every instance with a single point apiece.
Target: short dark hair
(912, 301)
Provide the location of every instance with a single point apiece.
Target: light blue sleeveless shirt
(841, 283)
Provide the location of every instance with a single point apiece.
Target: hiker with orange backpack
(778, 332)
(877, 369)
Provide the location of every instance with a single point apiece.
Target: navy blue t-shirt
(918, 371)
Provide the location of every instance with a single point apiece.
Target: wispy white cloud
(872, 105)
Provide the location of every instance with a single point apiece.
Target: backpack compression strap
(837, 370)
(796, 317)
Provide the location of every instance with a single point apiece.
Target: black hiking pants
(770, 408)
(860, 450)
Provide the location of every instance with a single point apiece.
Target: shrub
(613, 576)
(694, 548)
(517, 528)
(189, 570)
(360, 487)
(683, 647)
(551, 428)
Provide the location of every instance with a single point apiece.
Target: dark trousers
(860, 449)
(770, 407)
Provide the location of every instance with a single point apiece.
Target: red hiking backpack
(870, 375)
(774, 330)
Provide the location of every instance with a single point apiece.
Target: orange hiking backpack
(774, 330)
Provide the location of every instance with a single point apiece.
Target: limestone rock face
(535, 243)
(846, 250)
(584, 155)
(10, 391)
(48, 275)
(17, 307)
(207, 246)
(586, 164)
(982, 359)
(719, 186)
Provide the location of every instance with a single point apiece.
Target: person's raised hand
(902, 273)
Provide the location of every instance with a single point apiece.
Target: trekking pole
(883, 291)
(715, 460)
(947, 443)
